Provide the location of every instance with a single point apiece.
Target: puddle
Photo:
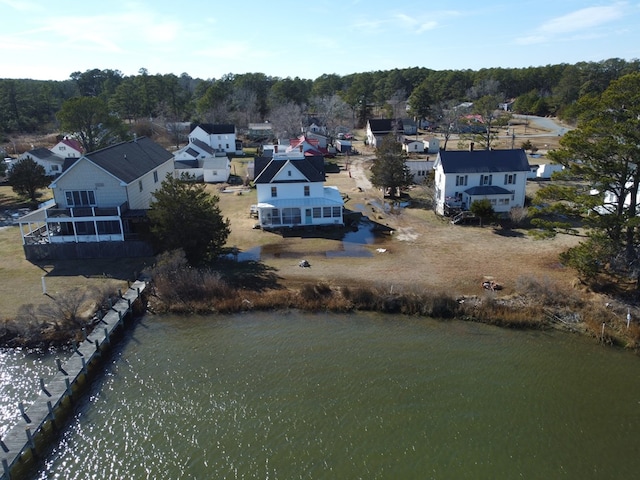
(352, 244)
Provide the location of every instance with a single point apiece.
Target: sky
(207, 39)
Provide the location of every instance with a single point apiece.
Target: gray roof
(266, 168)
(217, 129)
(43, 153)
(203, 146)
(129, 161)
(484, 161)
(487, 190)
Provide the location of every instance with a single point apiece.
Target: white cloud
(580, 23)
(582, 19)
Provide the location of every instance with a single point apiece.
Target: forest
(32, 106)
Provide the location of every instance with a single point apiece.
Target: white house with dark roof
(291, 192)
(199, 160)
(462, 177)
(52, 163)
(379, 128)
(221, 137)
(101, 197)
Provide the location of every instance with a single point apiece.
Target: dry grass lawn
(423, 252)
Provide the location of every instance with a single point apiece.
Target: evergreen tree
(390, 171)
(26, 177)
(185, 216)
(482, 209)
(604, 154)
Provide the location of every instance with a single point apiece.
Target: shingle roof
(203, 146)
(128, 161)
(217, 129)
(267, 168)
(484, 161)
(43, 153)
(385, 125)
(487, 190)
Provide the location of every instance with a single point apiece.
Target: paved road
(546, 123)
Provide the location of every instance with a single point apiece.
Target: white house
(462, 177)
(379, 128)
(410, 145)
(68, 148)
(291, 192)
(52, 163)
(420, 169)
(199, 160)
(222, 138)
(101, 197)
(431, 145)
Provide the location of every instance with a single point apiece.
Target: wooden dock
(21, 445)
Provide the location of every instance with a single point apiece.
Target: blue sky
(40, 39)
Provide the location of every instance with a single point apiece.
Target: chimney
(300, 147)
(275, 149)
(471, 146)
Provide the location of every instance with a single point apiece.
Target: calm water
(326, 396)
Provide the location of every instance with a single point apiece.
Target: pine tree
(185, 216)
(390, 171)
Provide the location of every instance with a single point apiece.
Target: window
(80, 198)
(317, 212)
(227, 146)
(509, 178)
(62, 148)
(155, 176)
(461, 180)
(274, 191)
(289, 172)
(337, 211)
(486, 179)
(307, 192)
(55, 168)
(109, 227)
(85, 228)
(326, 212)
(140, 184)
(291, 216)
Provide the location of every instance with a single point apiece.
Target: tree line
(30, 106)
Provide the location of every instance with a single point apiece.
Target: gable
(268, 170)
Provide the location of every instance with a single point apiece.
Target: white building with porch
(462, 177)
(101, 198)
(291, 192)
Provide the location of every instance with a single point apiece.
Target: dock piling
(23, 413)
(70, 374)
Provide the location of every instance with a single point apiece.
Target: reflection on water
(351, 244)
(288, 395)
(20, 373)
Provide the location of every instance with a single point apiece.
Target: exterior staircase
(462, 216)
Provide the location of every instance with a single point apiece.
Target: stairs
(462, 216)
